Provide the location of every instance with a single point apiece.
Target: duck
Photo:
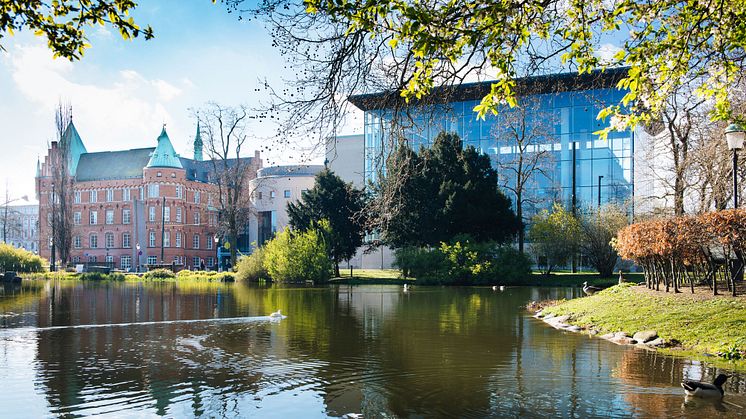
(276, 314)
(705, 390)
(494, 288)
(501, 288)
(406, 287)
(590, 289)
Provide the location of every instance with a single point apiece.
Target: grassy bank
(182, 276)
(369, 276)
(713, 328)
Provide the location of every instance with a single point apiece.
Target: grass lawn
(370, 276)
(702, 326)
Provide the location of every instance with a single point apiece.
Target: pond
(200, 349)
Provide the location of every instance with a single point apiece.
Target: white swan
(276, 314)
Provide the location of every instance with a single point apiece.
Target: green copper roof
(71, 139)
(164, 154)
(198, 145)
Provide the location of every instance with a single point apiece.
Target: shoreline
(626, 316)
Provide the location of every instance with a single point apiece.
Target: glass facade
(553, 121)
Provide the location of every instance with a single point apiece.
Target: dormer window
(173, 174)
(159, 174)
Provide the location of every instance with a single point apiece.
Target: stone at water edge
(549, 316)
(608, 336)
(561, 319)
(574, 329)
(645, 336)
(656, 342)
(593, 332)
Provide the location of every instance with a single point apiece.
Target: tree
(225, 129)
(524, 129)
(442, 192)
(554, 237)
(63, 184)
(410, 47)
(341, 205)
(597, 230)
(63, 22)
(298, 256)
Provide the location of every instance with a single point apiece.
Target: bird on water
(276, 314)
(706, 390)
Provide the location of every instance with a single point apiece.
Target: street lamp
(599, 190)
(735, 136)
(217, 250)
(137, 246)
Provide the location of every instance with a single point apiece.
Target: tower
(198, 145)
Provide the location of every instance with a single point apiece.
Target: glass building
(556, 118)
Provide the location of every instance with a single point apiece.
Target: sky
(122, 92)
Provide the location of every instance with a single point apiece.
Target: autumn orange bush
(688, 249)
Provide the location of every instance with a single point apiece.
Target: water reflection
(365, 349)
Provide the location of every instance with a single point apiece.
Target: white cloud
(125, 112)
(606, 53)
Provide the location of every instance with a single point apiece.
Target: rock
(539, 314)
(656, 342)
(645, 336)
(623, 340)
(549, 316)
(620, 335)
(562, 319)
(574, 329)
(608, 336)
(593, 332)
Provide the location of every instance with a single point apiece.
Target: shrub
(159, 274)
(463, 262)
(19, 260)
(251, 267)
(296, 256)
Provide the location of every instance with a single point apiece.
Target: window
(76, 242)
(209, 200)
(126, 216)
(166, 214)
(91, 258)
(178, 214)
(195, 262)
(195, 241)
(271, 194)
(179, 192)
(151, 241)
(152, 260)
(286, 193)
(259, 195)
(109, 195)
(153, 190)
(209, 242)
(211, 261)
(93, 243)
(126, 240)
(196, 197)
(151, 214)
(93, 218)
(93, 196)
(77, 218)
(196, 218)
(76, 259)
(109, 240)
(125, 262)
(109, 216)
(142, 192)
(110, 258)
(125, 194)
(166, 239)
(178, 239)
(78, 197)
(159, 174)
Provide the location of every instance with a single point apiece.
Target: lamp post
(53, 267)
(217, 251)
(735, 136)
(599, 190)
(137, 246)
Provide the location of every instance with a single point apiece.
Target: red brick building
(149, 198)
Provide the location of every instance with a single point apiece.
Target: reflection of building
(151, 197)
(561, 112)
(272, 189)
(22, 228)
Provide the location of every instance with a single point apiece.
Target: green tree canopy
(442, 192)
(554, 237)
(341, 205)
(63, 22)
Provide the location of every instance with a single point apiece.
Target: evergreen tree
(338, 202)
(442, 192)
